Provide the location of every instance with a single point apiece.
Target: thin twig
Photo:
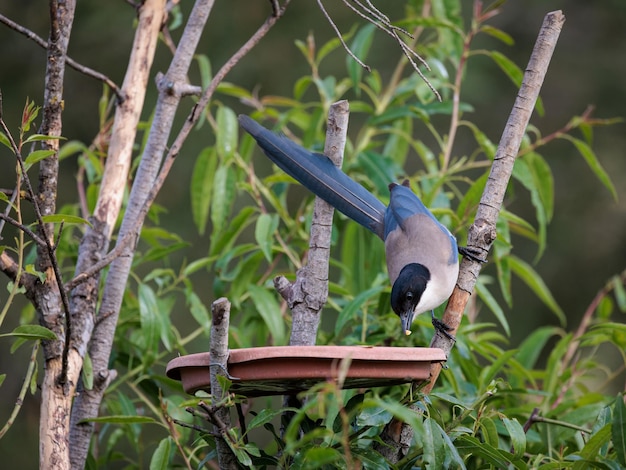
(47, 244)
(24, 229)
(338, 33)
(69, 61)
(115, 253)
(382, 22)
(20, 398)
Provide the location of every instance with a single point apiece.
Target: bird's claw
(471, 253)
(443, 328)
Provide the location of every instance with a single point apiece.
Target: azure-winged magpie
(421, 254)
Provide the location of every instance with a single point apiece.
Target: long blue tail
(317, 173)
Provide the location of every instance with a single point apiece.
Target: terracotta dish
(280, 370)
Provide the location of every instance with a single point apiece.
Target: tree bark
(218, 353)
(56, 399)
(97, 237)
(308, 294)
(115, 285)
(482, 233)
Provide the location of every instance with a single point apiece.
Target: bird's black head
(407, 291)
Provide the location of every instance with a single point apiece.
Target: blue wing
(403, 205)
(317, 173)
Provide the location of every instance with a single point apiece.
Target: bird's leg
(471, 253)
(441, 327)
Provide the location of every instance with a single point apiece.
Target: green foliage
(493, 407)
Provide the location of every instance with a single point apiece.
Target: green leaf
(233, 90)
(554, 366)
(362, 258)
(592, 447)
(524, 172)
(65, 218)
(198, 311)
(204, 66)
(493, 305)
(530, 350)
(489, 431)
(266, 226)
(202, 187)
(41, 137)
(267, 306)
(221, 240)
(161, 458)
(360, 46)
(488, 373)
(224, 190)
(517, 434)
(514, 73)
(148, 316)
(87, 372)
(434, 450)
(31, 332)
(349, 312)
(620, 292)
(301, 87)
(327, 49)
(37, 156)
(369, 458)
(227, 132)
(531, 279)
(70, 148)
(469, 445)
(544, 182)
(5, 141)
(380, 168)
(315, 457)
(265, 416)
(398, 143)
(590, 157)
(498, 34)
(618, 429)
(121, 419)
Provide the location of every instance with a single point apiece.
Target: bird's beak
(406, 319)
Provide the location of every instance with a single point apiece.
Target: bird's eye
(409, 296)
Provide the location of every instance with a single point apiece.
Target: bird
(421, 253)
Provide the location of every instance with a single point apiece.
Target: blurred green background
(586, 238)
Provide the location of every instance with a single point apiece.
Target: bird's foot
(471, 253)
(442, 327)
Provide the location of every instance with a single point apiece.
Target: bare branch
(103, 263)
(71, 62)
(24, 229)
(308, 294)
(218, 351)
(482, 233)
(382, 22)
(338, 33)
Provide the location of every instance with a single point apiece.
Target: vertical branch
(97, 237)
(482, 233)
(308, 294)
(167, 104)
(218, 354)
(51, 303)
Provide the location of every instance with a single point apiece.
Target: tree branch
(307, 295)
(69, 61)
(218, 352)
(24, 229)
(91, 253)
(482, 233)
